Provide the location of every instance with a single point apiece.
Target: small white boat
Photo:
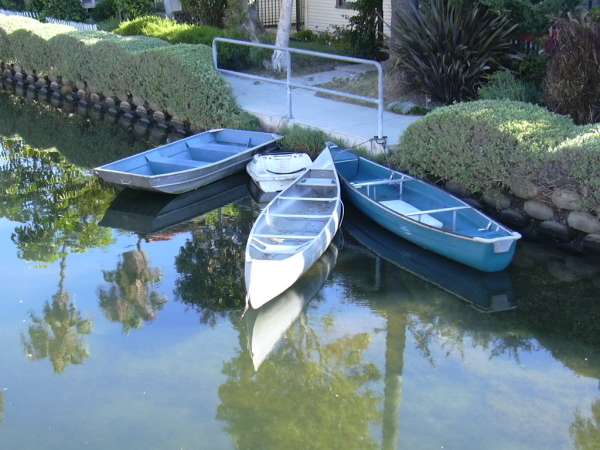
(276, 171)
(293, 231)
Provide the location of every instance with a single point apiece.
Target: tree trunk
(284, 28)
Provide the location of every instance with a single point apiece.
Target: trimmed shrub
(178, 79)
(446, 51)
(483, 144)
(503, 85)
(480, 144)
(573, 79)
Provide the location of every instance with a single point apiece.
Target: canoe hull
(479, 255)
(267, 279)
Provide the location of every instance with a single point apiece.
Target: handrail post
(380, 102)
(215, 55)
(289, 81)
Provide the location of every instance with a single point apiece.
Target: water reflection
(585, 430)
(58, 333)
(268, 324)
(487, 292)
(210, 264)
(131, 298)
(316, 392)
(146, 213)
(1, 407)
(56, 204)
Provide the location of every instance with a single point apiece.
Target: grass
(367, 86)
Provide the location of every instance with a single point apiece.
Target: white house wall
(324, 15)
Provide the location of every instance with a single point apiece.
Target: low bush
(572, 83)
(178, 79)
(533, 17)
(446, 51)
(307, 140)
(483, 144)
(503, 85)
(231, 57)
(205, 12)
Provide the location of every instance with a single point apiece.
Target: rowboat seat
(161, 164)
(401, 207)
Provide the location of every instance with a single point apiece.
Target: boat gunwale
(512, 235)
(104, 169)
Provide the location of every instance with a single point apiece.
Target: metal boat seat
(406, 209)
(161, 164)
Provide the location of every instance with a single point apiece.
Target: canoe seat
(401, 207)
(317, 182)
(161, 164)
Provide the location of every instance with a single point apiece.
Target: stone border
(559, 217)
(132, 114)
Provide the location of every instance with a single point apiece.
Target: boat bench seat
(317, 182)
(401, 207)
(161, 164)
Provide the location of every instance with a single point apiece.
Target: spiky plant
(446, 51)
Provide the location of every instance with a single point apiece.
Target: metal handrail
(379, 101)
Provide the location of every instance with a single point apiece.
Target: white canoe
(274, 172)
(293, 231)
(273, 320)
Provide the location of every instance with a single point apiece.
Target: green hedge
(178, 79)
(483, 144)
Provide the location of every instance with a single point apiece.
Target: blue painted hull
(458, 247)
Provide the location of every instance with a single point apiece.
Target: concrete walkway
(353, 123)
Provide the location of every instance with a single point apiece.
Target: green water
(116, 339)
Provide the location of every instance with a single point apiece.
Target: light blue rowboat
(189, 163)
(425, 215)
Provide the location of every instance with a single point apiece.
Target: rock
(456, 188)
(566, 199)
(538, 210)
(583, 221)
(555, 230)
(400, 107)
(496, 199)
(523, 188)
(514, 218)
(591, 243)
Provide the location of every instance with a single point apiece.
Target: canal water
(121, 324)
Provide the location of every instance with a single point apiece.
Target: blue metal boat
(425, 215)
(189, 163)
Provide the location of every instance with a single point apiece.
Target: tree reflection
(131, 298)
(58, 333)
(586, 430)
(211, 263)
(309, 394)
(57, 204)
